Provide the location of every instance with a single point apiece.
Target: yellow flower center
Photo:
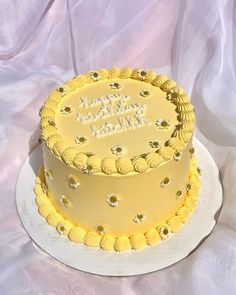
(113, 199)
(191, 150)
(179, 193)
(64, 201)
(72, 181)
(165, 231)
(67, 109)
(89, 167)
(188, 187)
(166, 180)
(62, 228)
(51, 122)
(174, 95)
(100, 228)
(164, 123)
(118, 149)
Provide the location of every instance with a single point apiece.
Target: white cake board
(97, 261)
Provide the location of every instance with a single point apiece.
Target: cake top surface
(117, 114)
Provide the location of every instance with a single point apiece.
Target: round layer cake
(119, 168)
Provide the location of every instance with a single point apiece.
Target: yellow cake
(119, 168)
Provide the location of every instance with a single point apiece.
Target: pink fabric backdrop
(43, 43)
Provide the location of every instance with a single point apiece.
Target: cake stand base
(97, 261)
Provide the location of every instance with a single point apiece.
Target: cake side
(94, 238)
(115, 201)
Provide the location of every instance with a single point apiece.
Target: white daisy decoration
(66, 110)
(188, 187)
(155, 144)
(88, 169)
(166, 181)
(118, 150)
(164, 232)
(95, 76)
(100, 229)
(65, 202)
(177, 156)
(61, 229)
(142, 75)
(163, 123)
(115, 85)
(89, 154)
(172, 94)
(178, 194)
(81, 139)
(44, 188)
(113, 199)
(192, 150)
(73, 181)
(199, 170)
(139, 217)
(51, 122)
(48, 174)
(62, 91)
(145, 93)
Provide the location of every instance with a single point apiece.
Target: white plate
(97, 261)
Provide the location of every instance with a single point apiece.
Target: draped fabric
(44, 43)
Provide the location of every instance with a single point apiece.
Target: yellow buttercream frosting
(122, 244)
(76, 235)
(68, 155)
(117, 148)
(152, 237)
(92, 239)
(45, 209)
(41, 199)
(51, 140)
(140, 165)
(47, 112)
(138, 241)
(160, 79)
(183, 213)
(107, 242)
(109, 166)
(51, 103)
(80, 160)
(153, 160)
(125, 73)
(124, 165)
(175, 223)
(59, 147)
(167, 85)
(95, 162)
(53, 218)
